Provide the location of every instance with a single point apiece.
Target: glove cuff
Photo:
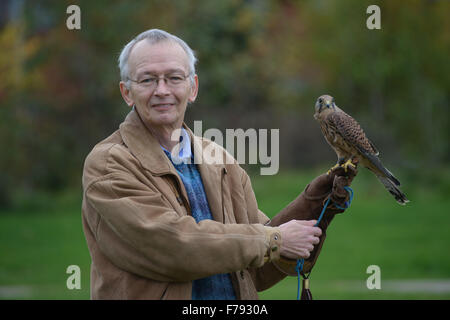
(308, 206)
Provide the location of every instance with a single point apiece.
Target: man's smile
(162, 106)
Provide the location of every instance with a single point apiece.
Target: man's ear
(194, 90)
(126, 94)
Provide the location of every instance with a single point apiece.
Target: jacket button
(242, 274)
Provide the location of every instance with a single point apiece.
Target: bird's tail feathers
(377, 163)
(391, 186)
(391, 177)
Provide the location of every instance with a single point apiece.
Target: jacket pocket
(247, 289)
(164, 293)
(227, 211)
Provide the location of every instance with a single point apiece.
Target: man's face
(162, 105)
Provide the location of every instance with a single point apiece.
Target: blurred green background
(262, 64)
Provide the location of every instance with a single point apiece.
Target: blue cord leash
(301, 262)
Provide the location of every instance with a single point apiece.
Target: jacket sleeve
(136, 228)
(267, 275)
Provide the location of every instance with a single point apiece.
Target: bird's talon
(337, 165)
(348, 163)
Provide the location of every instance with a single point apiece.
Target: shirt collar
(182, 151)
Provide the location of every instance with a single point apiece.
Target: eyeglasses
(172, 80)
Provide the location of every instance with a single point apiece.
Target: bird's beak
(328, 104)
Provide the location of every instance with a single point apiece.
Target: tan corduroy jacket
(144, 243)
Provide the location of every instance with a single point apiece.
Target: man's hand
(306, 208)
(299, 238)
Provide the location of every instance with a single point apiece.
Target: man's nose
(161, 88)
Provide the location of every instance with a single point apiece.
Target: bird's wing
(352, 133)
(377, 153)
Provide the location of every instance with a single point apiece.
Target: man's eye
(175, 78)
(148, 80)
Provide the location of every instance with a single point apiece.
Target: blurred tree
(262, 64)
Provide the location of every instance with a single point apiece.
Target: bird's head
(324, 105)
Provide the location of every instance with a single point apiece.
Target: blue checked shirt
(215, 287)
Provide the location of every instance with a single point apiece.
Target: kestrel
(350, 143)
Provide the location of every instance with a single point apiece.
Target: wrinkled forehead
(157, 58)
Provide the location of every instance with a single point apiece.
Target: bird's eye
(320, 101)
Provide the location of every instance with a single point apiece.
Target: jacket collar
(146, 148)
(143, 145)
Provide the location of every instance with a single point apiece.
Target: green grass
(43, 236)
(406, 242)
(38, 246)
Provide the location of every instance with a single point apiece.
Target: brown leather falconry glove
(308, 206)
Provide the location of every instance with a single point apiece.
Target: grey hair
(154, 36)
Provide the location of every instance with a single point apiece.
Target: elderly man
(161, 225)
